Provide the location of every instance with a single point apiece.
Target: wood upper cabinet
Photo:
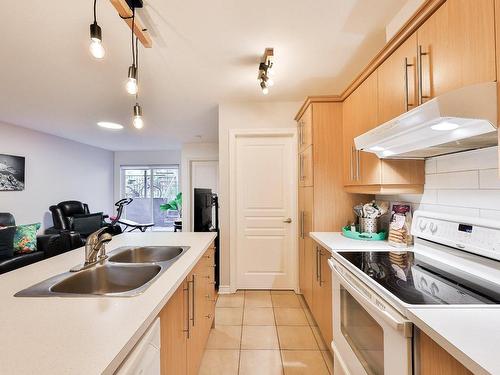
(306, 171)
(397, 81)
(458, 46)
(305, 130)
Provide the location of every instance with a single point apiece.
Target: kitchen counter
(90, 335)
(471, 335)
(336, 241)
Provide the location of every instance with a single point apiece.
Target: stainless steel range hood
(461, 120)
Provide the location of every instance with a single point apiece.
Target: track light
(96, 48)
(131, 86)
(266, 70)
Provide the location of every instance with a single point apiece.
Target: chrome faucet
(95, 249)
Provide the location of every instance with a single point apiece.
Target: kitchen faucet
(94, 246)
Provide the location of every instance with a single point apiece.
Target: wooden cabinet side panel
(326, 325)
(434, 360)
(305, 124)
(173, 322)
(399, 172)
(306, 287)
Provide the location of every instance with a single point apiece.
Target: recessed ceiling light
(110, 125)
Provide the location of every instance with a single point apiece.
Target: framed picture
(12, 172)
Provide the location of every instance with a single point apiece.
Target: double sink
(127, 272)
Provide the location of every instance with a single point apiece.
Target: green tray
(380, 236)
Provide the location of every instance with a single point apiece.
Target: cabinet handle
(302, 217)
(188, 330)
(358, 164)
(192, 283)
(407, 94)
(317, 268)
(301, 167)
(320, 270)
(420, 53)
(351, 163)
(301, 134)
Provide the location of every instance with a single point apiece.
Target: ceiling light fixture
(266, 70)
(138, 121)
(110, 125)
(96, 48)
(132, 86)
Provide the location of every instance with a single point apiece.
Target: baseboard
(225, 289)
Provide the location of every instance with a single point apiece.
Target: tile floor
(265, 333)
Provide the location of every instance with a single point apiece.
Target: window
(150, 187)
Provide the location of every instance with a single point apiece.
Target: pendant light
(96, 48)
(137, 120)
(266, 71)
(131, 85)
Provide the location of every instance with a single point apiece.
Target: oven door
(370, 337)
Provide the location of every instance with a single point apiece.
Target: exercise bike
(128, 223)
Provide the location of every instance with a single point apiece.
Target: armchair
(66, 214)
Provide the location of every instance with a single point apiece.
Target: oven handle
(398, 325)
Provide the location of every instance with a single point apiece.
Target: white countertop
(470, 334)
(84, 335)
(336, 241)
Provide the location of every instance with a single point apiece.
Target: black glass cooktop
(418, 283)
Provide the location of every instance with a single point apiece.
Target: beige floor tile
(258, 299)
(310, 318)
(220, 362)
(285, 300)
(260, 362)
(309, 362)
(296, 338)
(228, 316)
(224, 337)
(289, 292)
(319, 339)
(259, 337)
(327, 356)
(231, 300)
(290, 317)
(258, 316)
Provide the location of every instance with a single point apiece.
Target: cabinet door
(317, 303)
(211, 293)
(305, 129)
(306, 167)
(326, 323)
(305, 242)
(365, 103)
(397, 81)
(174, 324)
(348, 134)
(458, 41)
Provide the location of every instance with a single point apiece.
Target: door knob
(289, 220)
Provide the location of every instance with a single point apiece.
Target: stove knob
(434, 289)
(422, 225)
(423, 283)
(433, 228)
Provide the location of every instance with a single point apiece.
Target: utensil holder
(367, 225)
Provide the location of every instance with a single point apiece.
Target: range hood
(461, 120)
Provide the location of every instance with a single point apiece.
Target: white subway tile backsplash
(453, 180)
(466, 161)
(465, 184)
(489, 179)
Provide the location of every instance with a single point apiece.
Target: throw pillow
(25, 238)
(7, 242)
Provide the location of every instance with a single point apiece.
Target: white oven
(370, 337)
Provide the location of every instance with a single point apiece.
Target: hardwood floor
(265, 332)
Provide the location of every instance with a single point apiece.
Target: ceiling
(204, 53)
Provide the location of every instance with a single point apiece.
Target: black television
(203, 205)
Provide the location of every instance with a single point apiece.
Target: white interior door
(265, 186)
(204, 174)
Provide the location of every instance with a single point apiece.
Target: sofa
(47, 246)
(75, 216)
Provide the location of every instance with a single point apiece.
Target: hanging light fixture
(266, 71)
(131, 85)
(138, 121)
(96, 48)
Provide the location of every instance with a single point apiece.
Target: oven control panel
(475, 235)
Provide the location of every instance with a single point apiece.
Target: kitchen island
(85, 335)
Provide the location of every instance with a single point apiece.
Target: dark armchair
(47, 246)
(76, 216)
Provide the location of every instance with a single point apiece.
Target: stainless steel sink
(128, 272)
(147, 254)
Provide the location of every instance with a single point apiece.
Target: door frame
(234, 134)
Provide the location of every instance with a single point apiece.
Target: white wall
(141, 158)
(56, 170)
(193, 152)
(460, 184)
(407, 11)
(243, 116)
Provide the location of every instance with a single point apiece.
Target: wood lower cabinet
(187, 318)
(434, 360)
(306, 200)
(322, 293)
